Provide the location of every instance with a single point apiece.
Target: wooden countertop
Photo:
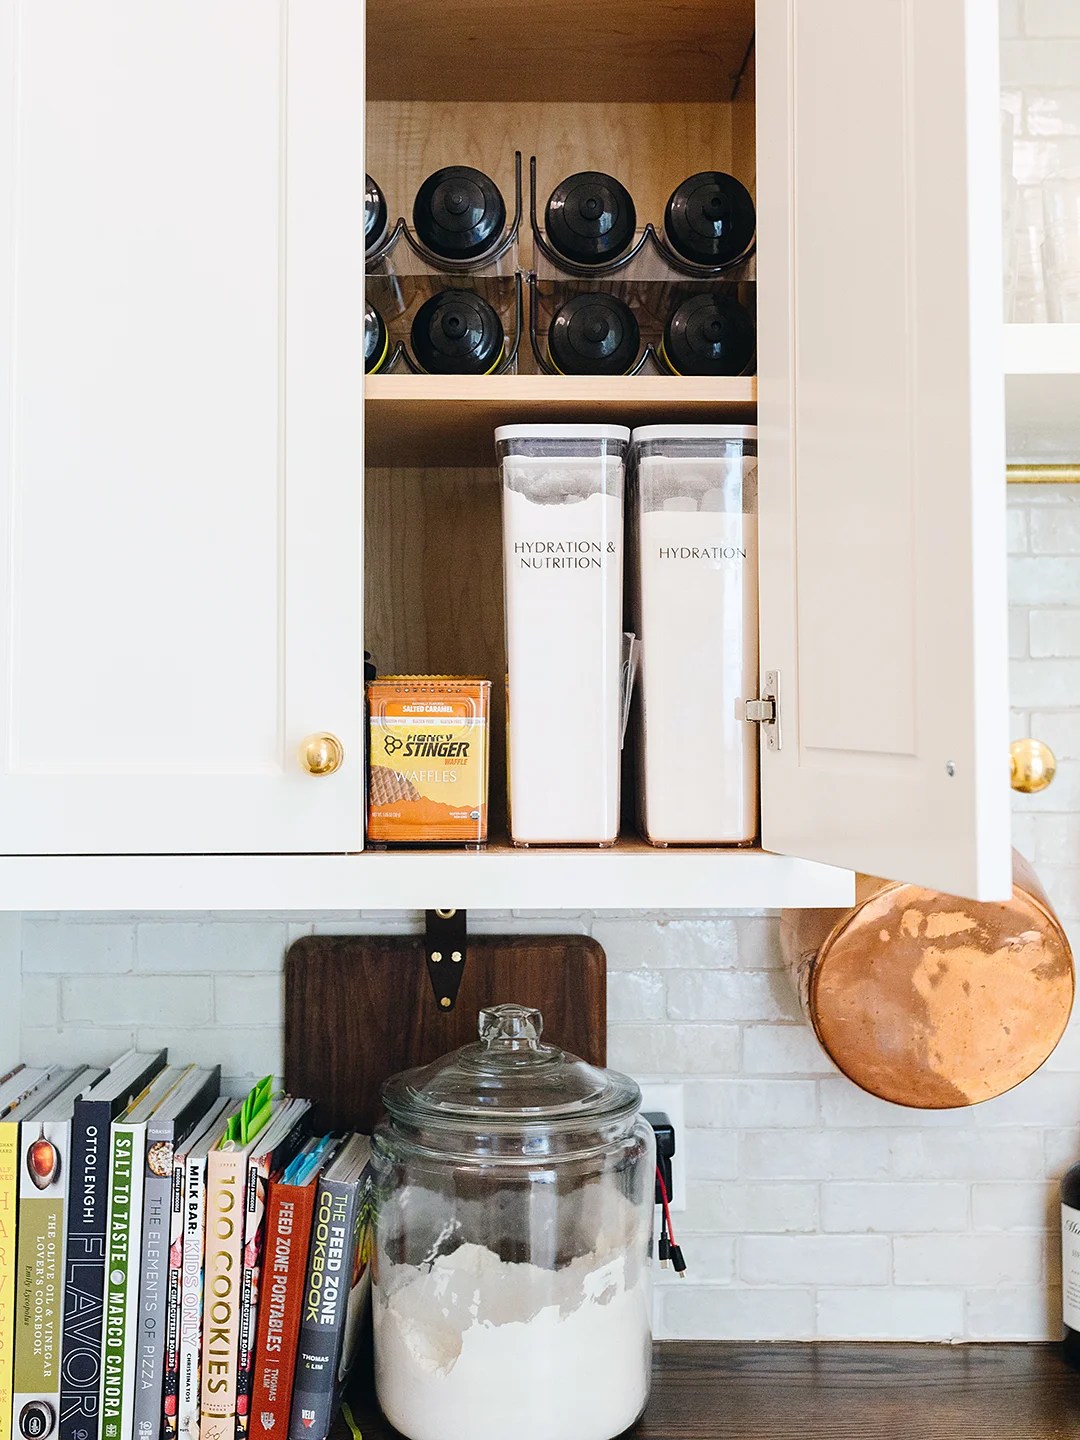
(736, 1391)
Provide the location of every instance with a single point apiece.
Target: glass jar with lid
(513, 1238)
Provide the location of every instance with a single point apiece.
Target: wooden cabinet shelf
(446, 421)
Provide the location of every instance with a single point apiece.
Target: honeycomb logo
(391, 744)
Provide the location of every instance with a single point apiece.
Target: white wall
(814, 1211)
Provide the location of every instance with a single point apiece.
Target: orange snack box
(428, 770)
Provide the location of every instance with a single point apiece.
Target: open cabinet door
(882, 438)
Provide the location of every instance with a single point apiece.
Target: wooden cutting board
(360, 1008)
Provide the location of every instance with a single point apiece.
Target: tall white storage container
(696, 602)
(562, 492)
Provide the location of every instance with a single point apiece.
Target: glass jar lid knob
(511, 1027)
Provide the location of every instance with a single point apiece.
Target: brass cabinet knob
(321, 754)
(1032, 764)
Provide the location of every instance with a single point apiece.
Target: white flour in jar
(563, 552)
(698, 626)
(475, 1348)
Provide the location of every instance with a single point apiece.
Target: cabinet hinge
(765, 711)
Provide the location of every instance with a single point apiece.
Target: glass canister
(513, 1237)
(562, 501)
(696, 603)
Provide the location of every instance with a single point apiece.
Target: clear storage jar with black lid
(513, 1237)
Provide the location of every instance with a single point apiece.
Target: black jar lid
(590, 218)
(709, 219)
(709, 335)
(375, 215)
(376, 340)
(594, 334)
(457, 332)
(459, 213)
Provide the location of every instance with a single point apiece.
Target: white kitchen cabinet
(180, 424)
(183, 486)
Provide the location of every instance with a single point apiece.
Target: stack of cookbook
(174, 1263)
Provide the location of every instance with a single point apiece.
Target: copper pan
(930, 1001)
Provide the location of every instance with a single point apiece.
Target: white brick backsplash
(759, 943)
(58, 947)
(1062, 883)
(667, 944)
(1055, 530)
(130, 999)
(1044, 580)
(752, 1104)
(1052, 18)
(1015, 1207)
(843, 1103)
(249, 999)
(876, 1313)
(1018, 634)
(182, 946)
(41, 998)
(711, 1154)
(961, 1259)
(784, 1050)
(1015, 1312)
(1061, 1151)
(74, 1044)
(1032, 62)
(240, 1051)
(660, 1050)
(710, 1260)
(1024, 831)
(889, 1209)
(814, 1259)
(636, 995)
(1052, 113)
(1060, 729)
(1017, 530)
(699, 1312)
(1048, 1098)
(1064, 793)
(1054, 633)
(1057, 839)
(1035, 684)
(731, 995)
(802, 1155)
(754, 1208)
(967, 1154)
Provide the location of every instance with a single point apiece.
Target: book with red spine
(265, 1165)
(289, 1213)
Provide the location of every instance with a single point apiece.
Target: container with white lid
(562, 488)
(696, 604)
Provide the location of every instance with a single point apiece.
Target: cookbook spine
(126, 1155)
(288, 1233)
(9, 1187)
(325, 1309)
(191, 1297)
(258, 1179)
(84, 1272)
(171, 1378)
(43, 1161)
(149, 1339)
(226, 1174)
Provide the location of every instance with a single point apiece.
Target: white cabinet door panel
(882, 438)
(180, 427)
